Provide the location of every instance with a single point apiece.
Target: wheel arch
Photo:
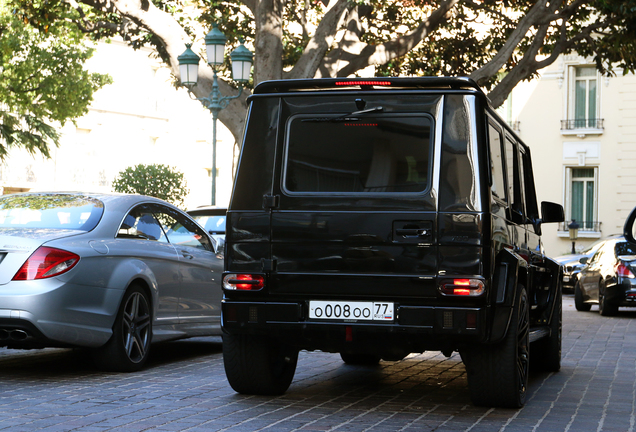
(511, 272)
(131, 271)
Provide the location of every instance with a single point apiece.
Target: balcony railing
(515, 125)
(582, 124)
(593, 226)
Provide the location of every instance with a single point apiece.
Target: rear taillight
(244, 282)
(623, 271)
(46, 262)
(462, 287)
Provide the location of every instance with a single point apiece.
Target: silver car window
(181, 231)
(141, 223)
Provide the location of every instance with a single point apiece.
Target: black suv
(380, 217)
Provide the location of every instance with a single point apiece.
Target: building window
(584, 97)
(582, 193)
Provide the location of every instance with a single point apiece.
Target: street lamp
(574, 233)
(242, 60)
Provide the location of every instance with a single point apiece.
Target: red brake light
(363, 83)
(245, 282)
(623, 271)
(46, 262)
(462, 287)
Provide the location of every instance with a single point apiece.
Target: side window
(497, 167)
(140, 223)
(532, 210)
(181, 231)
(596, 257)
(513, 176)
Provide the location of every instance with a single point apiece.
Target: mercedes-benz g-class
(385, 216)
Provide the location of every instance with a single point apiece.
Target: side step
(537, 333)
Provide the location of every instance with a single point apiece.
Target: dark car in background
(608, 278)
(212, 219)
(572, 265)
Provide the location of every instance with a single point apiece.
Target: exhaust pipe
(19, 335)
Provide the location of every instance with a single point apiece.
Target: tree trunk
(268, 64)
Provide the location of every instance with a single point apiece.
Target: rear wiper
(346, 117)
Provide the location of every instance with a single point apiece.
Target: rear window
(624, 248)
(366, 154)
(50, 211)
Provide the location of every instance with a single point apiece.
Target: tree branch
(536, 13)
(322, 40)
(357, 55)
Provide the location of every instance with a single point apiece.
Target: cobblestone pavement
(184, 388)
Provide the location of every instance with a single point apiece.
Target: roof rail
(282, 86)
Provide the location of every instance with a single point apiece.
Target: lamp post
(242, 60)
(574, 233)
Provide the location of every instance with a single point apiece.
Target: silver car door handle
(186, 255)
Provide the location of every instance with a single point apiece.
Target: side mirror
(584, 260)
(628, 228)
(551, 212)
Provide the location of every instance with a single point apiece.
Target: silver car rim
(136, 327)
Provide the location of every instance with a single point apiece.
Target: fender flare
(128, 271)
(510, 269)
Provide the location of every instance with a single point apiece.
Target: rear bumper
(622, 294)
(415, 328)
(49, 312)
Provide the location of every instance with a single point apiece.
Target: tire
(498, 374)
(258, 365)
(359, 359)
(128, 348)
(579, 304)
(546, 352)
(603, 308)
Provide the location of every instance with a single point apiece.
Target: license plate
(351, 310)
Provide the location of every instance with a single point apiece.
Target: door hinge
(271, 201)
(269, 265)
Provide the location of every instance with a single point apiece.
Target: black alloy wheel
(136, 327)
(579, 303)
(498, 374)
(523, 346)
(258, 365)
(604, 308)
(128, 348)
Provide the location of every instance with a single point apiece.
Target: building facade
(581, 128)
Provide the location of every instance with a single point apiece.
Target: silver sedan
(112, 273)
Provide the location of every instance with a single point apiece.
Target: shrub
(159, 181)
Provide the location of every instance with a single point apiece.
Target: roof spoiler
(283, 86)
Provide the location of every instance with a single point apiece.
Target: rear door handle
(411, 232)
